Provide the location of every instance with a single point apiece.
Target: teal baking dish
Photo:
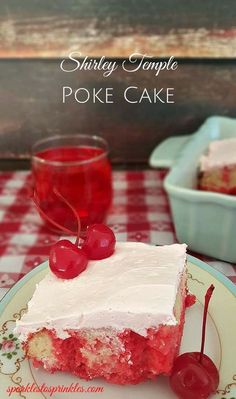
(206, 221)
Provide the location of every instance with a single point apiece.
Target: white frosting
(134, 288)
(220, 153)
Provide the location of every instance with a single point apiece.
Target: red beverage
(81, 173)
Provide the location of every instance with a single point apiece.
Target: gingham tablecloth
(140, 212)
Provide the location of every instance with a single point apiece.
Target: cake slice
(121, 319)
(218, 167)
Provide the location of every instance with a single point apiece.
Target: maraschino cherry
(66, 260)
(194, 375)
(100, 242)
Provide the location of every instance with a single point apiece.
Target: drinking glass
(77, 167)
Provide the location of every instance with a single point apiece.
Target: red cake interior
(123, 358)
(221, 180)
(119, 357)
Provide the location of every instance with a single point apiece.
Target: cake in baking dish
(121, 319)
(218, 167)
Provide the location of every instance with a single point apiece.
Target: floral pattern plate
(19, 379)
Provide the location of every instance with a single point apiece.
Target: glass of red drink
(78, 168)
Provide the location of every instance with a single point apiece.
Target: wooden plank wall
(35, 35)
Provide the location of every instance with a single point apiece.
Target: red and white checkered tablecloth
(140, 212)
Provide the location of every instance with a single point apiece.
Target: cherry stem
(62, 198)
(206, 304)
(45, 216)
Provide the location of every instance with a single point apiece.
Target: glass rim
(94, 138)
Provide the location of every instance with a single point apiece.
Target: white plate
(16, 372)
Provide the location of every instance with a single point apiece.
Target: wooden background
(35, 35)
